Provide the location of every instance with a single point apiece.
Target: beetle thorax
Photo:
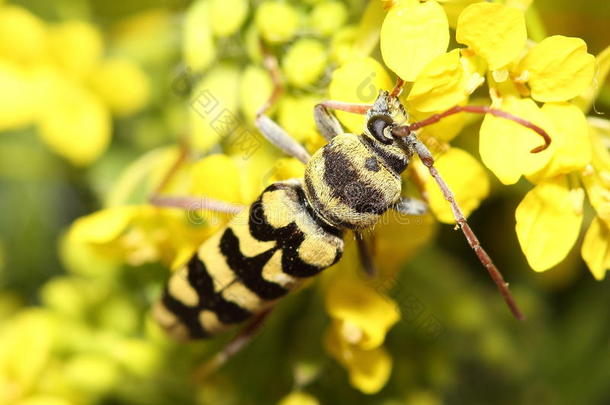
(353, 180)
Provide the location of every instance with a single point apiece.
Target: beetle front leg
(410, 206)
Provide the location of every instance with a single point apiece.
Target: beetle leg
(366, 256)
(235, 345)
(410, 206)
(269, 128)
(326, 122)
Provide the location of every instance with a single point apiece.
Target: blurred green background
(478, 355)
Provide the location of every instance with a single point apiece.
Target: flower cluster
(57, 77)
(62, 81)
(551, 83)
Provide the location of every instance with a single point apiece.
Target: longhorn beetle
(295, 228)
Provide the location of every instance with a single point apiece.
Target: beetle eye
(376, 125)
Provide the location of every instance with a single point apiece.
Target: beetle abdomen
(263, 253)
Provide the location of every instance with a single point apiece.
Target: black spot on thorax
(372, 164)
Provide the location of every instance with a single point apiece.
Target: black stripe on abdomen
(249, 270)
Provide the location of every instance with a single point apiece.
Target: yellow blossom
(304, 62)
(206, 174)
(596, 248)
(469, 184)
(341, 45)
(277, 21)
(412, 35)
(227, 16)
(558, 68)
(328, 16)
(197, 43)
(571, 139)
(23, 36)
(75, 124)
(602, 62)
(493, 31)
(299, 398)
(218, 89)
(122, 85)
(18, 103)
(548, 222)
(295, 115)
(362, 314)
(254, 90)
(505, 145)
(439, 85)
(369, 370)
(77, 47)
(357, 81)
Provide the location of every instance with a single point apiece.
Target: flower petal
(122, 85)
(602, 63)
(77, 46)
(254, 90)
(505, 145)
(362, 310)
(18, 104)
(439, 85)
(217, 176)
(76, 124)
(596, 248)
(559, 68)
(412, 35)
(571, 139)
(369, 370)
(227, 16)
(357, 81)
(469, 184)
(214, 107)
(548, 222)
(493, 31)
(102, 226)
(198, 47)
(299, 398)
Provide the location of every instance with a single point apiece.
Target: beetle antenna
(478, 109)
(397, 87)
(427, 159)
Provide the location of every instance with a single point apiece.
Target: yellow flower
(357, 81)
(197, 43)
(277, 21)
(75, 123)
(572, 150)
(299, 398)
(440, 85)
(494, 31)
(596, 248)
(369, 370)
(412, 35)
(18, 103)
(327, 17)
(23, 36)
(558, 68)
(362, 315)
(214, 104)
(122, 85)
(296, 117)
(254, 90)
(304, 62)
(505, 145)
(227, 16)
(548, 222)
(77, 47)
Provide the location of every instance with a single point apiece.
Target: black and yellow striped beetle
(295, 228)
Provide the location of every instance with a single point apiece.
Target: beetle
(295, 228)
